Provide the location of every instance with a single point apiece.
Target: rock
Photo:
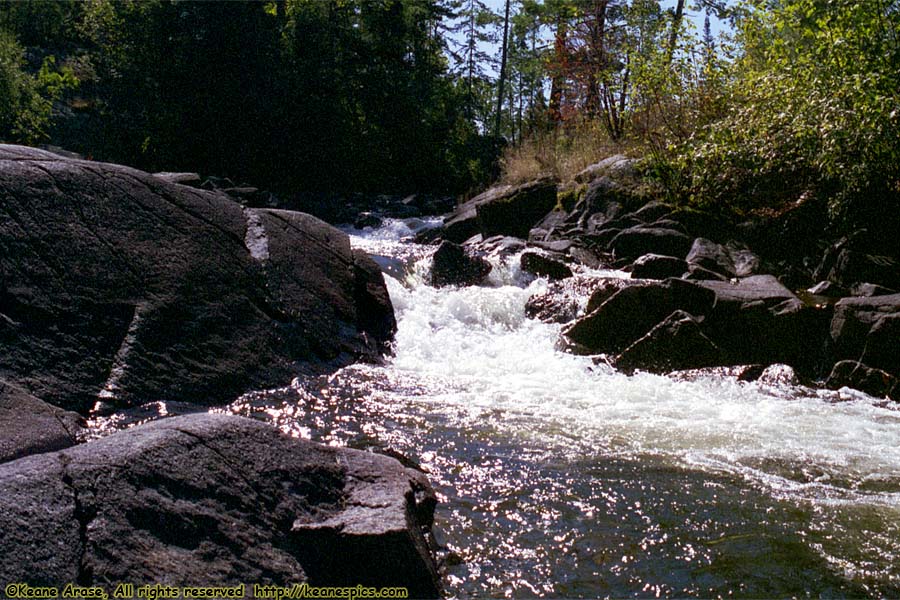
(853, 266)
(215, 500)
(453, 265)
(656, 266)
(549, 227)
(605, 288)
(616, 166)
(603, 201)
(514, 210)
(778, 374)
(191, 179)
(698, 273)
(633, 311)
(544, 266)
(30, 426)
(827, 289)
(367, 219)
(855, 320)
(869, 290)
(462, 223)
(757, 320)
(117, 284)
(731, 260)
(762, 288)
(637, 241)
(697, 223)
(651, 211)
(677, 342)
(882, 349)
(586, 257)
(558, 246)
(853, 374)
(562, 301)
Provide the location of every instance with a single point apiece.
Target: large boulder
(616, 166)
(514, 210)
(868, 329)
(453, 264)
(215, 500)
(637, 241)
(31, 426)
(758, 320)
(729, 260)
(119, 285)
(677, 342)
(632, 311)
(657, 266)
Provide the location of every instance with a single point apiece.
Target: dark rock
(697, 223)
(559, 246)
(605, 288)
(869, 289)
(191, 179)
(637, 241)
(562, 301)
(762, 288)
(215, 500)
(544, 266)
(651, 212)
(854, 259)
(855, 319)
(30, 426)
(461, 224)
(602, 201)
(549, 227)
(875, 382)
(633, 311)
(758, 320)
(731, 260)
(586, 257)
(665, 223)
(367, 219)
(656, 266)
(677, 342)
(514, 210)
(117, 284)
(698, 273)
(453, 265)
(616, 166)
(827, 289)
(882, 349)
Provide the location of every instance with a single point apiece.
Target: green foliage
(26, 100)
(814, 110)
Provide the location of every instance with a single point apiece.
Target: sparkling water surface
(561, 478)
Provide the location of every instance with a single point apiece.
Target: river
(561, 478)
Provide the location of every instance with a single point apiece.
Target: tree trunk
(556, 84)
(502, 83)
(676, 25)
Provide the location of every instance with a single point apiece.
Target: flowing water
(560, 478)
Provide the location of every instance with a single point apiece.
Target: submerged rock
(117, 284)
(215, 500)
(455, 265)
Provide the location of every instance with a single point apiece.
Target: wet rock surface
(215, 500)
(120, 285)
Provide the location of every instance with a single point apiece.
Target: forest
(791, 100)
